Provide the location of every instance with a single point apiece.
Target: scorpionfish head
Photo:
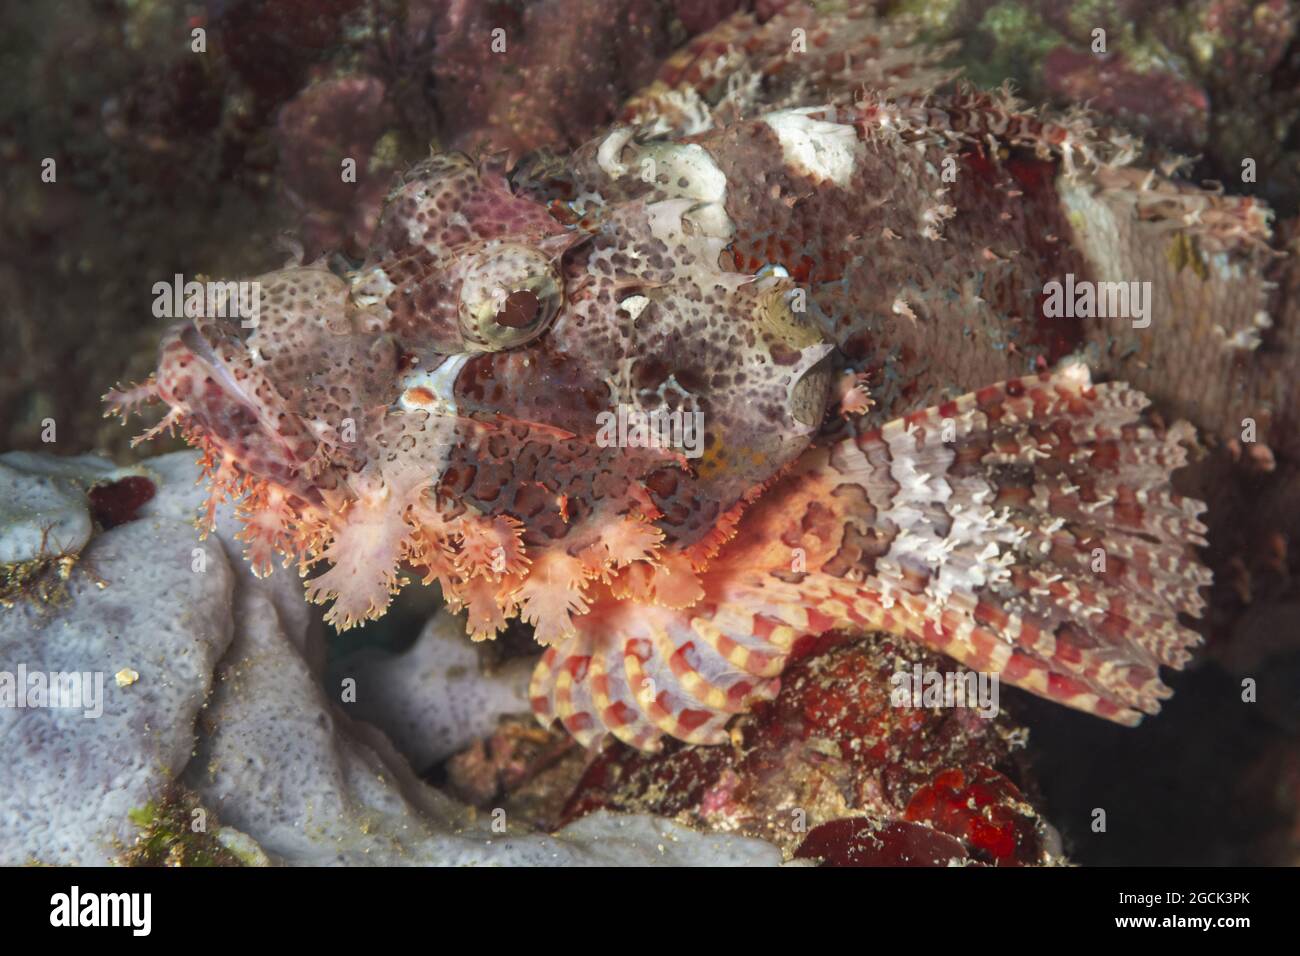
(598, 308)
(537, 384)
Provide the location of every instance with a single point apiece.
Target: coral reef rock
(211, 682)
(432, 701)
(74, 774)
(45, 503)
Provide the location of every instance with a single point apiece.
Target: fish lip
(201, 348)
(196, 342)
(205, 410)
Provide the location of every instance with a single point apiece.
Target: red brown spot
(117, 502)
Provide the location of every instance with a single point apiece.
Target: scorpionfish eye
(509, 296)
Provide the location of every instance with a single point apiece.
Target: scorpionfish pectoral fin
(1026, 530)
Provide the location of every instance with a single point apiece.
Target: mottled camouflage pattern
(783, 209)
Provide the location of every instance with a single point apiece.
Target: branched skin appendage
(751, 267)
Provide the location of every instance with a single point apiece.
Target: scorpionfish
(745, 249)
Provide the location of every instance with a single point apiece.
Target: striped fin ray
(1038, 513)
(1027, 529)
